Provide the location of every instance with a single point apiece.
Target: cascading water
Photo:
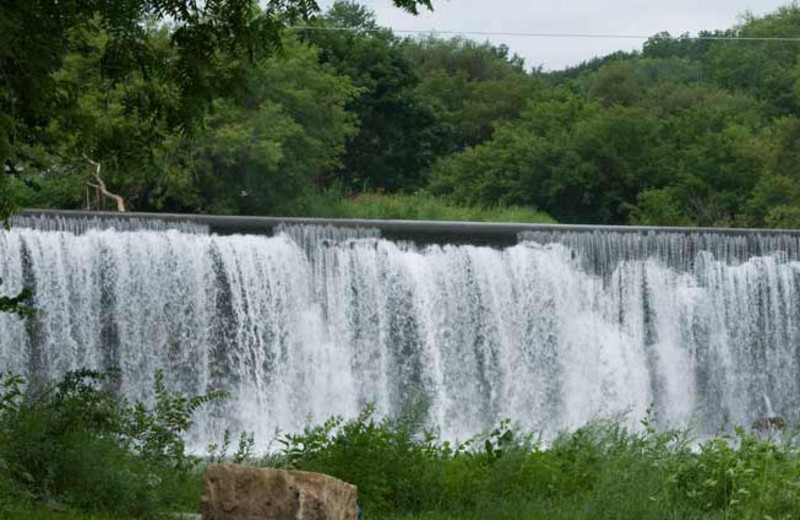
(552, 332)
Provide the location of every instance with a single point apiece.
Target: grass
(420, 206)
(27, 512)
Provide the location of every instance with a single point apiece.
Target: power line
(433, 32)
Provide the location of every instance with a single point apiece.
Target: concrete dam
(300, 319)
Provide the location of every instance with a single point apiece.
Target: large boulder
(233, 492)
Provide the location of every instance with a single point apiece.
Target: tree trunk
(101, 186)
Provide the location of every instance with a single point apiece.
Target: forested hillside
(344, 118)
(686, 132)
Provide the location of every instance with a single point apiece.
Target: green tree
(253, 153)
(617, 84)
(121, 125)
(36, 38)
(213, 44)
(399, 132)
(765, 70)
(565, 156)
(258, 154)
(474, 86)
(776, 195)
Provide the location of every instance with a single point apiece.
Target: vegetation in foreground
(76, 444)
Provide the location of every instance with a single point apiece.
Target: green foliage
(617, 84)
(245, 451)
(419, 206)
(600, 470)
(20, 304)
(126, 82)
(399, 133)
(261, 152)
(214, 107)
(256, 152)
(392, 467)
(677, 155)
(212, 42)
(77, 442)
(570, 158)
(686, 133)
(657, 208)
(472, 87)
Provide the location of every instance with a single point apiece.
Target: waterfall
(554, 331)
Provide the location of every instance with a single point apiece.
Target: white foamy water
(551, 333)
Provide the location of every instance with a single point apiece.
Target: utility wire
(551, 35)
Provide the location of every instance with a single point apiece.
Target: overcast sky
(644, 17)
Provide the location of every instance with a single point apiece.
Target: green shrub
(395, 471)
(77, 442)
(599, 471)
(743, 476)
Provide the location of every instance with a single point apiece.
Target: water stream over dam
(559, 328)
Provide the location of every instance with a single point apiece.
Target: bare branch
(101, 186)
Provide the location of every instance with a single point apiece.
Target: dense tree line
(269, 111)
(150, 90)
(685, 132)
